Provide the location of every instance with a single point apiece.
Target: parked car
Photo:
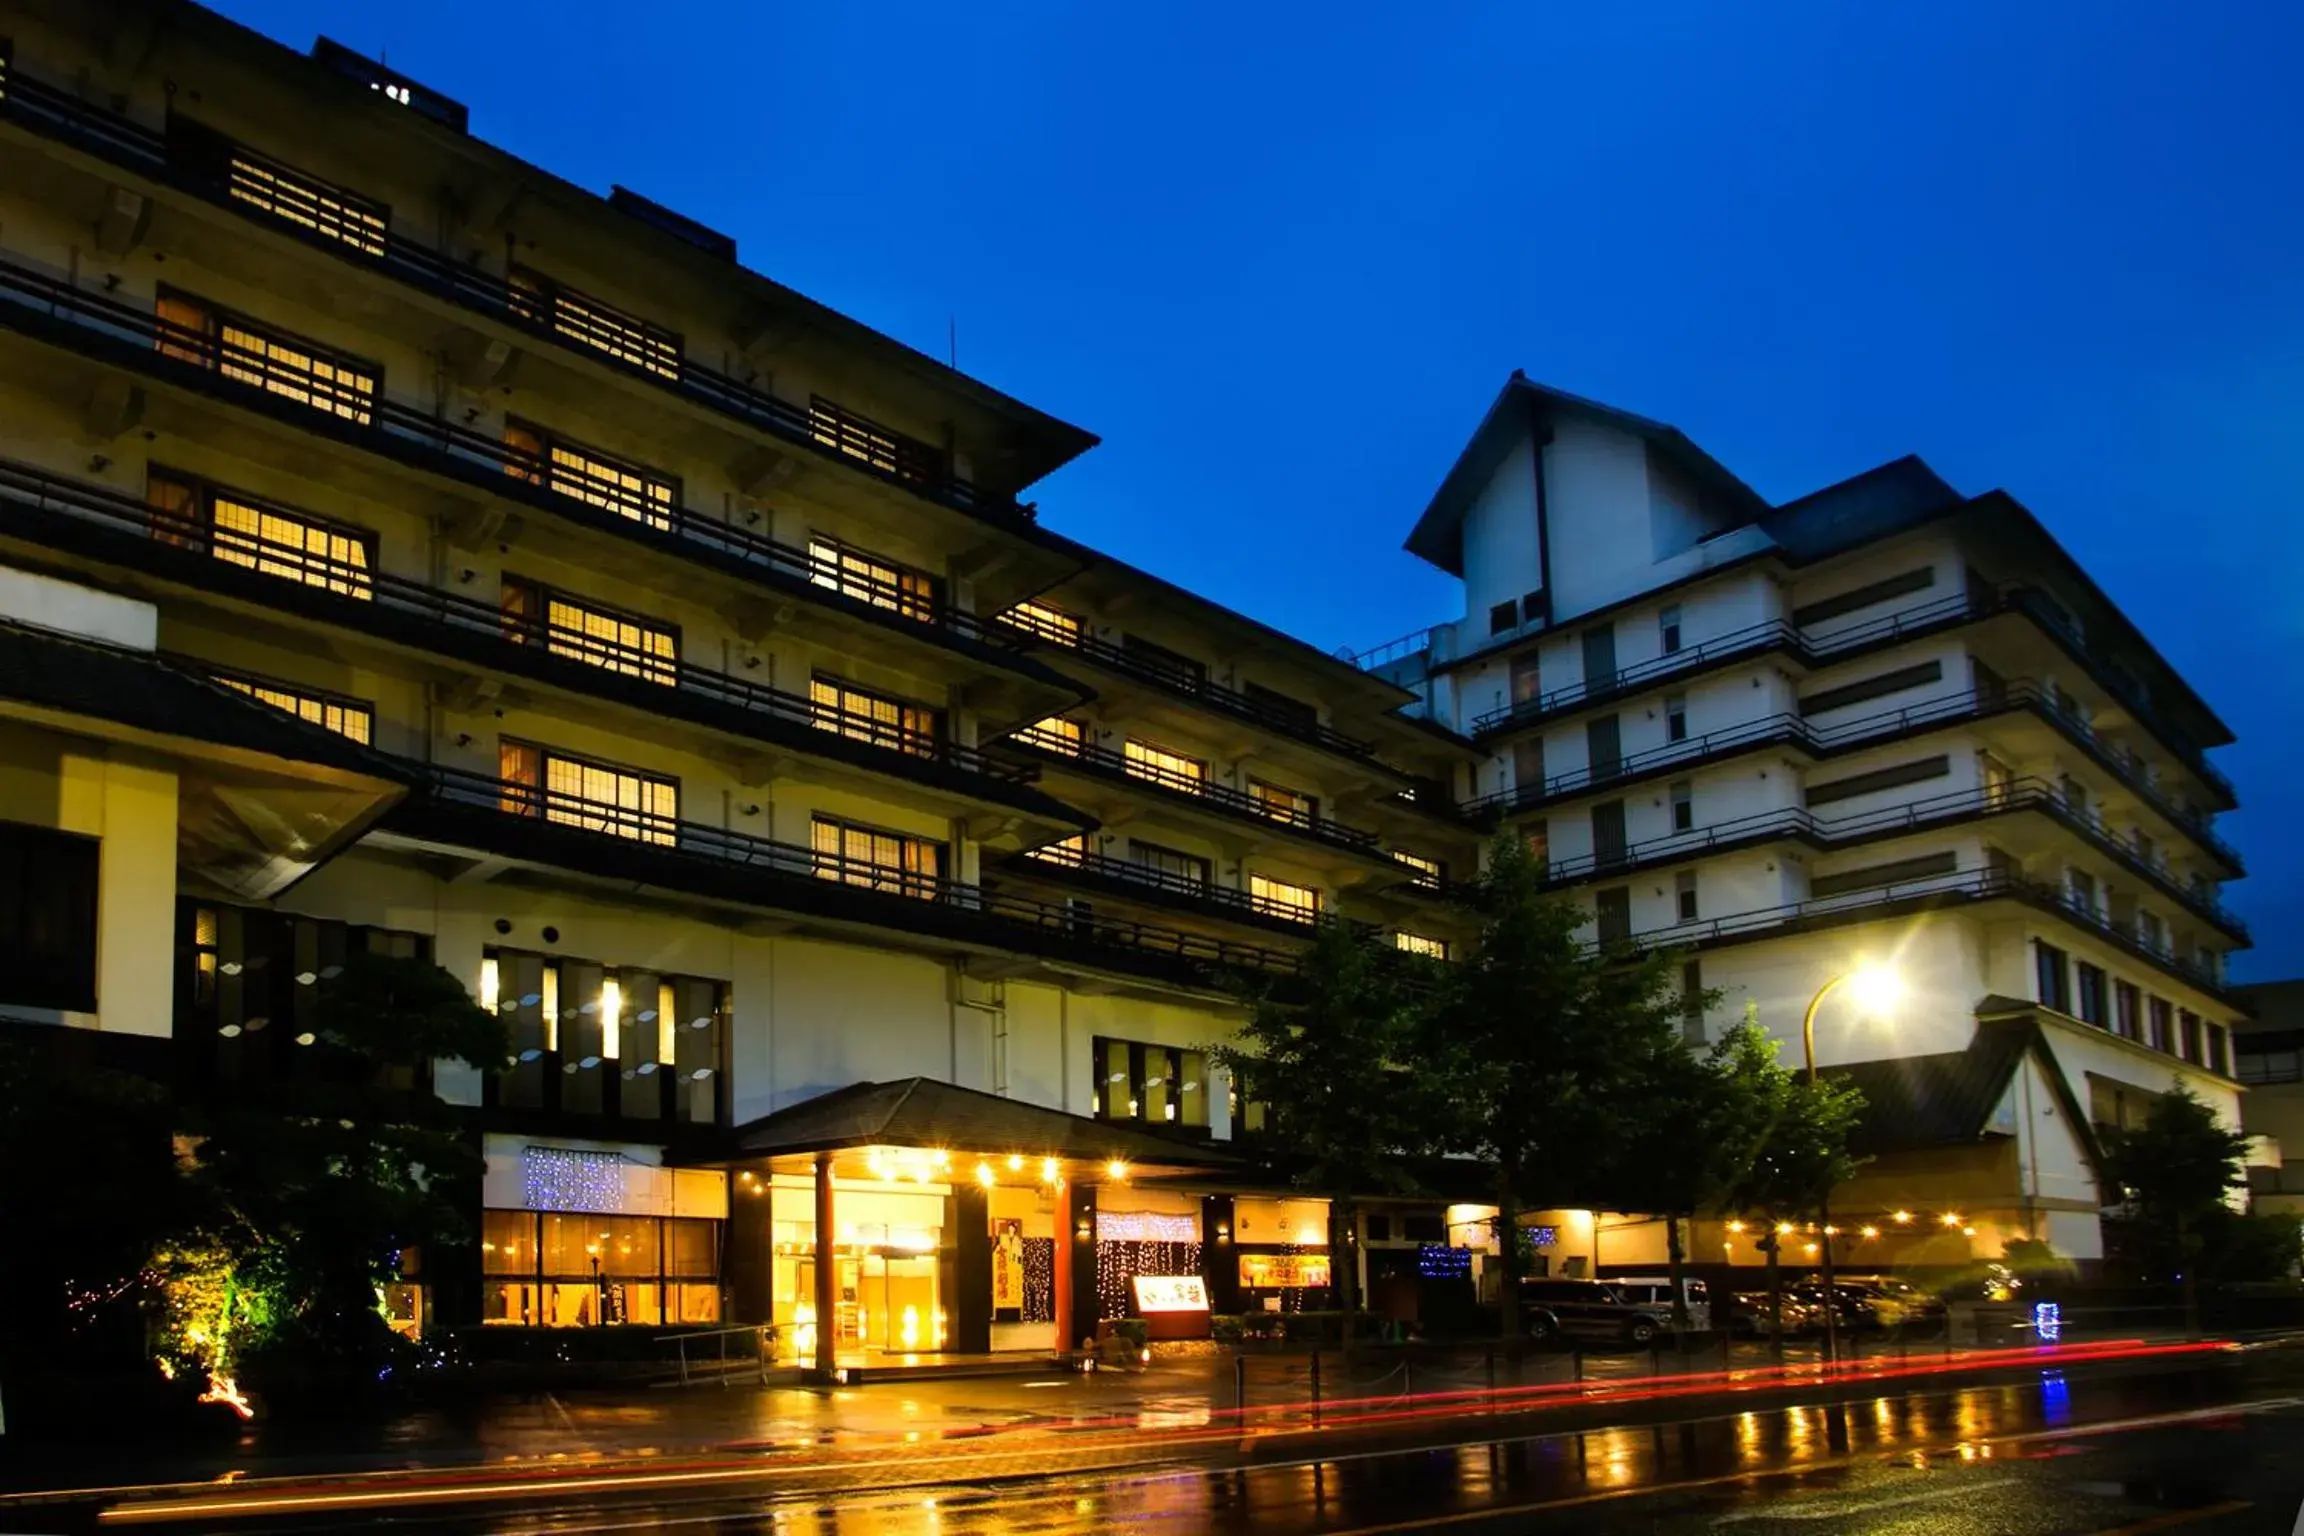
(1655, 1291)
(1855, 1307)
(1896, 1303)
(1591, 1309)
(1749, 1315)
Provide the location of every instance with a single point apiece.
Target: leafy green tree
(1330, 1053)
(1552, 1049)
(2172, 1173)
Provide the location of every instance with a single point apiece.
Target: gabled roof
(923, 1112)
(1523, 406)
(1916, 1102)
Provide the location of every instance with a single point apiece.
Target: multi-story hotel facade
(1886, 727)
(404, 549)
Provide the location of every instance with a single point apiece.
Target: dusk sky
(1281, 258)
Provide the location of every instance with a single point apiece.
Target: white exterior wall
(1501, 543)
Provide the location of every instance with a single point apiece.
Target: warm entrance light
(1950, 1218)
(1015, 1162)
(1735, 1226)
(984, 1174)
(1116, 1170)
(1869, 1231)
(1902, 1218)
(1048, 1170)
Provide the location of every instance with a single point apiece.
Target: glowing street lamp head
(1875, 989)
(1116, 1170)
(984, 1174)
(1902, 1218)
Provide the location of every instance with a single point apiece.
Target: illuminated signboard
(1170, 1293)
(1284, 1271)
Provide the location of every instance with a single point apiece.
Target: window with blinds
(858, 573)
(1071, 852)
(590, 476)
(1283, 804)
(600, 637)
(1149, 760)
(275, 361)
(1418, 944)
(876, 859)
(882, 721)
(311, 204)
(1424, 874)
(353, 719)
(1055, 734)
(589, 323)
(1049, 623)
(596, 796)
(277, 541)
(1277, 898)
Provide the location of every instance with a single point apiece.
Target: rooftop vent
(679, 226)
(391, 83)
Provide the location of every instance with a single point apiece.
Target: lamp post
(1876, 988)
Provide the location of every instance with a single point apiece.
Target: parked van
(1653, 1293)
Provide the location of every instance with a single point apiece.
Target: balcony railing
(1117, 765)
(1200, 690)
(362, 598)
(1796, 732)
(1145, 882)
(1826, 832)
(190, 162)
(618, 842)
(135, 337)
(1914, 895)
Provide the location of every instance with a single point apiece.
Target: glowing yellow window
(1277, 898)
(280, 543)
(1417, 944)
(1147, 760)
(1056, 734)
(1046, 622)
(348, 718)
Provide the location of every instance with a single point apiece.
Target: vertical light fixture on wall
(611, 1020)
(551, 1007)
(667, 1024)
(488, 983)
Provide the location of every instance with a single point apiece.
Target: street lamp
(1875, 990)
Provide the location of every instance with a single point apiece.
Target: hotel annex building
(403, 549)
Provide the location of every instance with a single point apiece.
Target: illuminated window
(880, 860)
(871, 444)
(1072, 852)
(1277, 898)
(1055, 734)
(598, 797)
(862, 716)
(1426, 874)
(624, 488)
(600, 637)
(1417, 944)
(353, 719)
(311, 204)
(1173, 769)
(860, 574)
(1046, 622)
(277, 362)
(1157, 1084)
(1284, 804)
(278, 541)
(590, 323)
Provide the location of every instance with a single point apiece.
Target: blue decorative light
(1544, 1237)
(2048, 1321)
(1437, 1261)
(561, 1179)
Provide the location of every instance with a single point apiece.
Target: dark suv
(1590, 1309)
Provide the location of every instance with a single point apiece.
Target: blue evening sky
(1281, 257)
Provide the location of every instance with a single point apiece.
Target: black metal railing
(791, 875)
(1194, 686)
(856, 442)
(1826, 832)
(1107, 763)
(1790, 730)
(359, 596)
(1152, 882)
(385, 425)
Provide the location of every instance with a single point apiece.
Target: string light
(562, 1179)
(1950, 1219)
(1868, 1231)
(1902, 1218)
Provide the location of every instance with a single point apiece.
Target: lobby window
(1055, 734)
(277, 362)
(2127, 1010)
(1424, 874)
(1153, 1084)
(1281, 803)
(581, 792)
(2162, 1015)
(2089, 1003)
(353, 719)
(599, 636)
(569, 1269)
(248, 983)
(48, 886)
(1668, 629)
(276, 541)
(1153, 762)
(1169, 866)
(1418, 944)
(588, 475)
(623, 1042)
(868, 578)
(1047, 621)
(2052, 976)
(589, 323)
(876, 718)
(1676, 717)
(1683, 795)
(1277, 898)
(877, 859)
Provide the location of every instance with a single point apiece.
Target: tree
(327, 1176)
(2172, 1172)
(1796, 1148)
(1330, 1054)
(1550, 1047)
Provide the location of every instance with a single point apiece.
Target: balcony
(1142, 882)
(131, 337)
(1826, 833)
(93, 521)
(1938, 891)
(229, 175)
(1199, 793)
(1119, 660)
(1821, 742)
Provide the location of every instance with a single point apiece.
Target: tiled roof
(1917, 1102)
(922, 1112)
